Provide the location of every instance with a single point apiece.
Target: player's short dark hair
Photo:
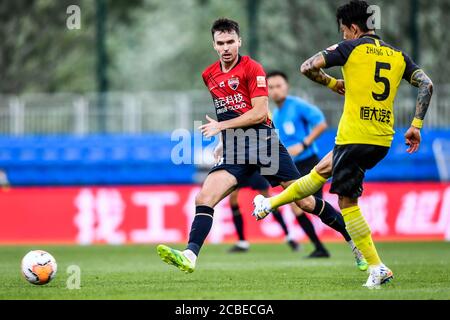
(354, 12)
(276, 73)
(224, 25)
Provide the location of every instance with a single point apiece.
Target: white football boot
(378, 275)
(261, 207)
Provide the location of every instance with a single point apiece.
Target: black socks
(200, 228)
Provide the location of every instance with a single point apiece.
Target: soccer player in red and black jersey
(239, 89)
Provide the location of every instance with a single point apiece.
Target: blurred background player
(372, 72)
(299, 124)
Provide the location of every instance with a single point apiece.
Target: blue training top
(295, 120)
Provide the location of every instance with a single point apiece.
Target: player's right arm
(256, 115)
(417, 78)
(313, 69)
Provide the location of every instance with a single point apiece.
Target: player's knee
(323, 172)
(205, 199)
(296, 210)
(325, 166)
(299, 212)
(307, 204)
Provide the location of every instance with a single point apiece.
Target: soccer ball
(39, 267)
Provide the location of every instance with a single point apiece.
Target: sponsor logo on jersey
(233, 83)
(261, 81)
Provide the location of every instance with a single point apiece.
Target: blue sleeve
(310, 113)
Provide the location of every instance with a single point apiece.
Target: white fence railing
(118, 112)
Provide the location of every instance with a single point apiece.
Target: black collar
(369, 35)
(239, 60)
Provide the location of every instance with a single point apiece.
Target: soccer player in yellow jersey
(372, 71)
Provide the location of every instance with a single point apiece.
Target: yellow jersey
(372, 73)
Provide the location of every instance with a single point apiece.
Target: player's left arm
(313, 69)
(420, 80)
(315, 133)
(258, 114)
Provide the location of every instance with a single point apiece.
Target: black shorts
(266, 156)
(256, 182)
(305, 166)
(350, 163)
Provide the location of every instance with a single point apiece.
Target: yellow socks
(359, 230)
(303, 187)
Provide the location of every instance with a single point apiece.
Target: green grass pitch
(268, 271)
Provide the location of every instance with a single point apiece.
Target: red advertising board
(154, 214)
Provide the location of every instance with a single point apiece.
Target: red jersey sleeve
(256, 80)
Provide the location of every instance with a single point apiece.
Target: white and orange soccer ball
(39, 267)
